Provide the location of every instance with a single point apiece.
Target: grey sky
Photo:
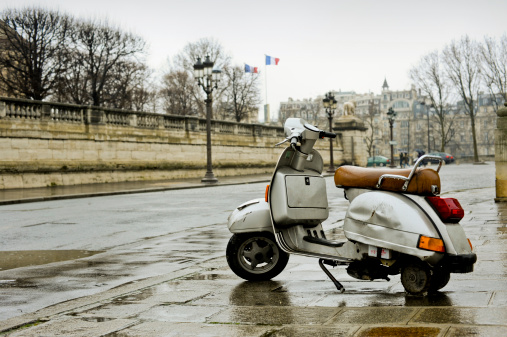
(322, 44)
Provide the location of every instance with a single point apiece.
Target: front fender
(252, 216)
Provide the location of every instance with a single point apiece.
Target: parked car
(447, 157)
(378, 161)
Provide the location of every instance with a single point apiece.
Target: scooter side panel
(389, 220)
(392, 211)
(458, 239)
(452, 234)
(252, 216)
(402, 242)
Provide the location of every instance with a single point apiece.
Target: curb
(120, 192)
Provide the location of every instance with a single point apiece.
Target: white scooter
(395, 222)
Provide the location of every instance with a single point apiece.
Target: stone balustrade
(46, 143)
(29, 110)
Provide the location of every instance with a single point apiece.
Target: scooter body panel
(396, 221)
(389, 220)
(298, 197)
(393, 212)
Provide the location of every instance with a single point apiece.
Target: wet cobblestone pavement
(207, 299)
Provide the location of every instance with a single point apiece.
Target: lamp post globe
(207, 78)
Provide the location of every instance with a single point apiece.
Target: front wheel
(255, 256)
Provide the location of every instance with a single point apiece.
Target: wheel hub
(258, 254)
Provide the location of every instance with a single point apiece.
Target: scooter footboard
(311, 241)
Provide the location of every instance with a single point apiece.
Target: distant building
(5, 49)
(309, 109)
(415, 126)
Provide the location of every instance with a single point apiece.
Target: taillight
(448, 209)
(266, 194)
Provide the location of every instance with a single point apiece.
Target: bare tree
(431, 77)
(494, 70)
(102, 47)
(242, 94)
(73, 85)
(33, 58)
(371, 119)
(185, 60)
(144, 97)
(462, 65)
(126, 87)
(178, 93)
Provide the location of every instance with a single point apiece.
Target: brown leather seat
(360, 177)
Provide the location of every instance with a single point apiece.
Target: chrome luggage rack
(409, 178)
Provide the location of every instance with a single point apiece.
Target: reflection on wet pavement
(23, 258)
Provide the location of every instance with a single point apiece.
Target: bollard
(501, 154)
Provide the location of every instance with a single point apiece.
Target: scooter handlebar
(324, 134)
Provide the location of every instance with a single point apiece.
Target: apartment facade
(416, 126)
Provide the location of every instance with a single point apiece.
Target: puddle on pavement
(23, 258)
(204, 277)
(97, 319)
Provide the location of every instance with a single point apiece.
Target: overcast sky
(322, 44)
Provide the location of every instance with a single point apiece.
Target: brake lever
(286, 140)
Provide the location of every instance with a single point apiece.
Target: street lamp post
(208, 79)
(427, 107)
(330, 107)
(391, 115)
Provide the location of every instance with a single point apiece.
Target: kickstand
(335, 281)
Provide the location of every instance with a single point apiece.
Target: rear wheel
(255, 256)
(416, 277)
(439, 279)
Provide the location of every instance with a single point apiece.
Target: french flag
(249, 69)
(270, 60)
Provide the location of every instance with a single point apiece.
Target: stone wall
(45, 144)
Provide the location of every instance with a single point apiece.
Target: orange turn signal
(432, 244)
(266, 194)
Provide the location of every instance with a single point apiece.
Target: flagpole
(266, 78)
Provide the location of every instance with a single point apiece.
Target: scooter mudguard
(389, 220)
(252, 216)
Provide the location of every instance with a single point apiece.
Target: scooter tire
(439, 279)
(255, 256)
(416, 277)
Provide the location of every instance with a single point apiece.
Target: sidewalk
(207, 299)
